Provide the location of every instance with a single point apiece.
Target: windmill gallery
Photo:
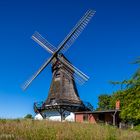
(63, 98)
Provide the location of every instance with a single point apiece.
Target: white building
(55, 116)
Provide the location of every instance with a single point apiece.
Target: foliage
(131, 107)
(28, 116)
(104, 102)
(129, 96)
(44, 130)
(137, 128)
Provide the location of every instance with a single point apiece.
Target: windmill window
(57, 75)
(67, 80)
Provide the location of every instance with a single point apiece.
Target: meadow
(44, 130)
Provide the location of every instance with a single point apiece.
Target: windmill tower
(63, 88)
(63, 95)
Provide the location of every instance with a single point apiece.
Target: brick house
(105, 116)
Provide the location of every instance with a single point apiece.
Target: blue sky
(103, 51)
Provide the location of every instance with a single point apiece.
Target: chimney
(117, 104)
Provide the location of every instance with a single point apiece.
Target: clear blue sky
(103, 51)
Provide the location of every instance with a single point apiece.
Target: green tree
(28, 116)
(104, 102)
(129, 98)
(131, 107)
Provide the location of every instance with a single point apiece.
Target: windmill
(63, 94)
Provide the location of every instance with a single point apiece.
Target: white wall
(55, 116)
(38, 117)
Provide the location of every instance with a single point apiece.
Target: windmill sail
(62, 47)
(28, 82)
(43, 42)
(75, 32)
(79, 76)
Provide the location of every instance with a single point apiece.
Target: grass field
(44, 130)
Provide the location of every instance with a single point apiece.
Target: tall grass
(44, 130)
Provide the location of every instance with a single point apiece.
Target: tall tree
(104, 102)
(129, 97)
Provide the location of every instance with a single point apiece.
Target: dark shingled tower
(63, 88)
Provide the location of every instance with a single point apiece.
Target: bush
(137, 127)
(28, 116)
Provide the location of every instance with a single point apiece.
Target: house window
(101, 117)
(85, 117)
